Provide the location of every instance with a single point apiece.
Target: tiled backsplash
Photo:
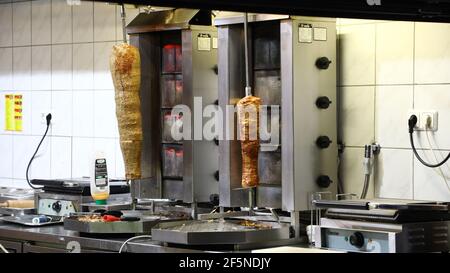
(386, 69)
(57, 56)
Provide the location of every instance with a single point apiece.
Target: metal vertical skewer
(123, 16)
(248, 89)
(248, 92)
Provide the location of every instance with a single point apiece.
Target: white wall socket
(44, 118)
(427, 120)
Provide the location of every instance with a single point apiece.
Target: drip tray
(220, 232)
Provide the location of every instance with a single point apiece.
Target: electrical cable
(131, 239)
(411, 124)
(340, 183)
(48, 119)
(3, 249)
(439, 171)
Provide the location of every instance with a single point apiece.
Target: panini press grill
(65, 196)
(383, 226)
(385, 210)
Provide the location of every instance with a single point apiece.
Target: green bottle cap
(100, 202)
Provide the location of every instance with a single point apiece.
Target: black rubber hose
(411, 139)
(48, 118)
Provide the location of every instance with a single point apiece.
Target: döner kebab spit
(248, 118)
(125, 69)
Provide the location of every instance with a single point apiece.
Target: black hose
(411, 139)
(48, 118)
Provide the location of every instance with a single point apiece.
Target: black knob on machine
(216, 69)
(324, 181)
(216, 102)
(323, 142)
(323, 63)
(216, 175)
(323, 102)
(216, 141)
(56, 206)
(214, 199)
(357, 239)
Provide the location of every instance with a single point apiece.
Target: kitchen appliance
(178, 49)
(293, 66)
(383, 226)
(58, 198)
(61, 197)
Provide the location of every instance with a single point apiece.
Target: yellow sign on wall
(13, 112)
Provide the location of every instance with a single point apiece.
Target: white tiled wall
(386, 69)
(57, 55)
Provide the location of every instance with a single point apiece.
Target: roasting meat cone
(125, 69)
(248, 119)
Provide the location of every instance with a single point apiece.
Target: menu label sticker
(13, 112)
(305, 33)
(320, 34)
(204, 42)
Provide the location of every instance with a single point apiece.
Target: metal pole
(123, 16)
(251, 198)
(248, 89)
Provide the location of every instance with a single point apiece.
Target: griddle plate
(218, 232)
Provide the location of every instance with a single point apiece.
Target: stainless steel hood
(229, 18)
(175, 19)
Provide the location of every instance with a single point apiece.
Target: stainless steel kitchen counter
(56, 237)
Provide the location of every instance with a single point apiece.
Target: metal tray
(112, 205)
(143, 226)
(16, 211)
(26, 220)
(218, 232)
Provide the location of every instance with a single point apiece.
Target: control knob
(324, 181)
(357, 239)
(323, 142)
(323, 63)
(216, 175)
(56, 206)
(214, 199)
(323, 102)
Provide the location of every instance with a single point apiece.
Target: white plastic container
(99, 179)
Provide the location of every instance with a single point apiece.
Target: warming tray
(27, 220)
(218, 232)
(111, 205)
(16, 211)
(143, 226)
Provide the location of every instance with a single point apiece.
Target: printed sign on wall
(13, 112)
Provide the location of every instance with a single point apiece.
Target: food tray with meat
(110, 224)
(220, 232)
